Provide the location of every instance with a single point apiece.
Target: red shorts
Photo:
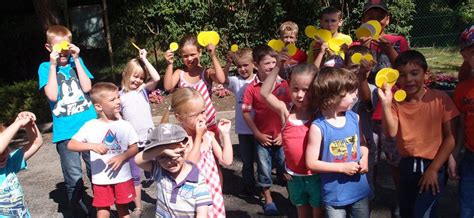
(107, 195)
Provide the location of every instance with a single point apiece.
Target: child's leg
(264, 171)
(103, 212)
(122, 210)
(360, 209)
(277, 152)
(247, 154)
(138, 187)
(426, 204)
(466, 185)
(408, 186)
(72, 173)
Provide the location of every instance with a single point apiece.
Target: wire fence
(438, 23)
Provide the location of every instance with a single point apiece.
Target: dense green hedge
(23, 96)
(245, 23)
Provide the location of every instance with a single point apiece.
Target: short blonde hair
(289, 27)
(134, 66)
(244, 53)
(98, 89)
(58, 30)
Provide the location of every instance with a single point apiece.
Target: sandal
(270, 209)
(137, 212)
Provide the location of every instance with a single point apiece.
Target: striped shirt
(180, 199)
(204, 89)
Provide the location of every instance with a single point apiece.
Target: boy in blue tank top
(336, 146)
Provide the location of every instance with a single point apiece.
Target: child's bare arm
(389, 121)
(7, 135)
(319, 57)
(364, 149)
(35, 140)
(429, 180)
(84, 79)
(272, 101)
(201, 211)
(117, 161)
(155, 77)
(225, 153)
(217, 74)
(364, 90)
(171, 78)
(195, 153)
(51, 87)
(229, 58)
(312, 157)
(75, 145)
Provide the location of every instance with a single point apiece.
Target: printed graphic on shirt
(11, 197)
(71, 98)
(340, 149)
(110, 140)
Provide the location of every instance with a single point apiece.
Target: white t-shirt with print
(116, 136)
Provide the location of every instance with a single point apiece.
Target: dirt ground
(46, 197)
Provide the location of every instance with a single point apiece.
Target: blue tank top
(341, 144)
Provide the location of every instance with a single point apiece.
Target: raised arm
(229, 58)
(320, 56)
(266, 93)
(23, 119)
(84, 79)
(35, 140)
(389, 121)
(225, 153)
(217, 74)
(155, 77)
(75, 145)
(171, 79)
(51, 87)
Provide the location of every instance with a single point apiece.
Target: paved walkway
(46, 196)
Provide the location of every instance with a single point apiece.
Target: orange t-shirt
(420, 124)
(464, 100)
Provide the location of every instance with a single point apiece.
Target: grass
(442, 59)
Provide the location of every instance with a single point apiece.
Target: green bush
(23, 96)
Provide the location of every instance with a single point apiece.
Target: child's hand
(324, 48)
(364, 166)
(365, 68)
(74, 50)
(350, 168)
(283, 58)
(365, 41)
(142, 54)
(116, 162)
(25, 118)
(428, 181)
(53, 58)
(224, 126)
(452, 168)
(201, 127)
(264, 139)
(385, 95)
(230, 57)
(98, 148)
(211, 49)
(277, 140)
(169, 56)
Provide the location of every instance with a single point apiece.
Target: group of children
(315, 117)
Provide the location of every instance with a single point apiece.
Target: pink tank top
(205, 90)
(294, 140)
